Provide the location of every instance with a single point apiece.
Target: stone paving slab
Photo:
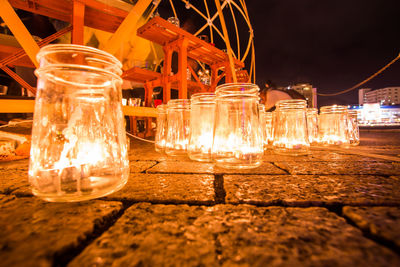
(316, 155)
(33, 232)
(209, 168)
(140, 165)
(226, 235)
(15, 165)
(341, 167)
(12, 179)
(381, 222)
(168, 188)
(303, 190)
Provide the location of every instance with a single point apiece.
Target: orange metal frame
(175, 39)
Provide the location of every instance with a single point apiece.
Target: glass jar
(261, 109)
(354, 132)
(333, 128)
(269, 136)
(237, 140)
(312, 125)
(79, 148)
(178, 121)
(290, 128)
(161, 130)
(174, 20)
(202, 114)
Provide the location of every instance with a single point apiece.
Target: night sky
(331, 44)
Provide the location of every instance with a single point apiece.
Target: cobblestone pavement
(324, 209)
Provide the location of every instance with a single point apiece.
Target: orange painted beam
(78, 19)
(19, 30)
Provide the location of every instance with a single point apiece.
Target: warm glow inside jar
(290, 128)
(237, 140)
(269, 137)
(333, 126)
(78, 147)
(261, 114)
(178, 121)
(312, 125)
(354, 132)
(202, 113)
(161, 129)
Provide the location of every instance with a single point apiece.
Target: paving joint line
(65, 256)
(366, 233)
(219, 189)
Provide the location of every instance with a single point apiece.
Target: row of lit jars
(292, 127)
(232, 128)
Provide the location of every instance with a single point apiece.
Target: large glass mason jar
(354, 132)
(161, 130)
(290, 128)
(178, 121)
(79, 146)
(202, 114)
(237, 140)
(333, 126)
(312, 125)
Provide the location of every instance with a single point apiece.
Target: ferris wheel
(226, 22)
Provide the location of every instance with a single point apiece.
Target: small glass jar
(237, 140)
(202, 114)
(261, 109)
(79, 148)
(290, 128)
(269, 136)
(333, 126)
(312, 125)
(178, 121)
(161, 130)
(174, 20)
(354, 132)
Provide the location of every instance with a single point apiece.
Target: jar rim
(205, 98)
(333, 109)
(232, 89)
(98, 56)
(291, 104)
(178, 103)
(48, 69)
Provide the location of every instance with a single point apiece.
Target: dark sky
(331, 44)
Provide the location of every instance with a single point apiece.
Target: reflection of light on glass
(238, 142)
(202, 113)
(333, 126)
(235, 146)
(178, 125)
(290, 128)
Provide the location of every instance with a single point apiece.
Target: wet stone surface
(168, 188)
(226, 235)
(141, 166)
(34, 232)
(315, 155)
(209, 168)
(341, 167)
(303, 190)
(381, 222)
(12, 180)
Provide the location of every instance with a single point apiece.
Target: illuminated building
(385, 96)
(308, 92)
(373, 114)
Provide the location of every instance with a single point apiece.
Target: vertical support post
(78, 19)
(182, 68)
(166, 73)
(19, 30)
